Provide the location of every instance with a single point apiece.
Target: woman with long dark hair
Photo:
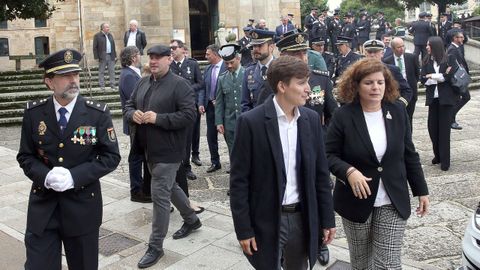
(440, 99)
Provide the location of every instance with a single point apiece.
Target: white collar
(136, 69)
(281, 113)
(69, 106)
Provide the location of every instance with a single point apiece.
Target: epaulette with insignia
(193, 59)
(35, 103)
(96, 105)
(321, 72)
(251, 64)
(330, 53)
(224, 72)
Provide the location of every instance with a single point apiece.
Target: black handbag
(460, 80)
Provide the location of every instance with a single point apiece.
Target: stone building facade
(75, 22)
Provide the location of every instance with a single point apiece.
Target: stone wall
(157, 18)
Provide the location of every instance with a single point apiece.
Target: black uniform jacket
(258, 180)
(446, 94)
(173, 100)
(189, 70)
(348, 144)
(43, 147)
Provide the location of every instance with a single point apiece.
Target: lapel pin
(389, 116)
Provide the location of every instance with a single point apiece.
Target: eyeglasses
(173, 48)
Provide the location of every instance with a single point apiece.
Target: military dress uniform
(87, 148)
(245, 50)
(321, 97)
(227, 103)
(254, 79)
(335, 29)
(344, 61)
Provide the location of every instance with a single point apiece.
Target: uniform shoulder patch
(224, 72)
(321, 72)
(35, 103)
(96, 105)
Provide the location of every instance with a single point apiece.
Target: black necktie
(62, 121)
(179, 65)
(264, 71)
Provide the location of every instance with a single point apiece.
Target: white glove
(59, 179)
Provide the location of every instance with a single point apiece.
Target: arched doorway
(203, 24)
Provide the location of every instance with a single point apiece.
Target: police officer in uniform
(346, 56)
(318, 45)
(348, 30)
(229, 93)
(245, 47)
(334, 30)
(188, 69)
(382, 26)
(255, 76)
(67, 144)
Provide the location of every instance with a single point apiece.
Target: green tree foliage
(26, 9)
(411, 4)
(307, 5)
(476, 12)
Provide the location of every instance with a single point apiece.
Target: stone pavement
(432, 242)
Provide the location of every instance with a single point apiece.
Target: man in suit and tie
(67, 144)
(135, 37)
(284, 27)
(104, 52)
(410, 69)
(206, 101)
(455, 49)
(280, 193)
(386, 39)
(421, 31)
(309, 20)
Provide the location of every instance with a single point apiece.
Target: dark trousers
(181, 179)
(420, 49)
(439, 128)
(196, 135)
(464, 98)
(186, 159)
(292, 242)
(212, 134)
(411, 109)
(137, 162)
(45, 251)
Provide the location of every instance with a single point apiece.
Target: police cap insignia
(299, 39)
(254, 35)
(68, 57)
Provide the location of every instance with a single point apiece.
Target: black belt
(291, 208)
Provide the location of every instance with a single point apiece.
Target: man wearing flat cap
(375, 49)
(255, 76)
(443, 28)
(318, 44)
(67, 144)
(160, 111)
(229, 93)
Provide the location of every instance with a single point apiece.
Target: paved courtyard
(432, 242)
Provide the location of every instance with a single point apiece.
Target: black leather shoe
(323, 255)
(213, 168)
(196, 161)
(200, 210)
(140, 197)
(455, 125)
(435, 161)
(191, 176)
(187, 229)
(444, 167)
(151, 257)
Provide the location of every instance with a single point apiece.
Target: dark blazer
(348, 144)
(387, 52)
(126, 85)
(204, 92)
(80, 208)
(189, 70)
(458, 54)
(405, 91)
(279, 30)
(412, 70)
(446, 94)
(258, 180)
(140, 40)
(443, 29)
(100, 46)
(421, 31)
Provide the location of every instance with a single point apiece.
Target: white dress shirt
(136, 69)
(132, 39)
(288, 138)
(378, 136)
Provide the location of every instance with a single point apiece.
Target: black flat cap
(422, 15)
(62, 62)
(160, 50)
(229, 51)
(373, 44)
(293, 41)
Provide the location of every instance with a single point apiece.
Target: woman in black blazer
(440, 98)
(370, 151)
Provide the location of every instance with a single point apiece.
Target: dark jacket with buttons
(89, 157)
(348, 145)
